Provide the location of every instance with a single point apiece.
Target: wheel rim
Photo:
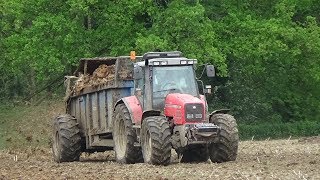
(147, 148)
(121, 140)
(56, 145)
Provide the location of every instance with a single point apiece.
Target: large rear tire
(226, 149)
(155, 140)
(195, 153)
(124, 137)
(66, 145)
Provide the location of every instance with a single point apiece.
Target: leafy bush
(278, 130)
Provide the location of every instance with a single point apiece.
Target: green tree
(266, 52)
(272, 63)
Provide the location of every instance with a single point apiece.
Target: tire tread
(226, 148)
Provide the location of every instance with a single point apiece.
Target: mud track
(276, 159)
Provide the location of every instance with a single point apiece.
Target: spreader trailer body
(142, 109)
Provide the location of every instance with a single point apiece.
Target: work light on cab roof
(167, 59)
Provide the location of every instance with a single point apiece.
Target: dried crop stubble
(274, 159)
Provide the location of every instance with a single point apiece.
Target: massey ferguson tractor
(142, 107)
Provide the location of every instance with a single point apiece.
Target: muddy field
(277, 159)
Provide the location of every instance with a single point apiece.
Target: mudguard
(134, 107)
(150, 113)
(222, 111)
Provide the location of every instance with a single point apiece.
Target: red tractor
(167, 111)
(142, 110)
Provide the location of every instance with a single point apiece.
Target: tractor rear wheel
(195, 153)
(66, 145)
(124, 137)
(226, 148)
(155, 140)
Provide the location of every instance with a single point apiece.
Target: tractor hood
(184, 108)
(177, 98)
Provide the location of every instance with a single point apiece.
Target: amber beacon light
(133, 55)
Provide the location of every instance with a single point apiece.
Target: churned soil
(270, 159)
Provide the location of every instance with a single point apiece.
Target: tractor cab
(172, 79)
(163, 73)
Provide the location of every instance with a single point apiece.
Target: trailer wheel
(155, 140)
(195, 153)
(226, 148)
(124, 137)
(66, 145)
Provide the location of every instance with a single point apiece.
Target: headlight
(164, 62)
(198, 116)
(189, 116)
(183, 62)
(156, 63)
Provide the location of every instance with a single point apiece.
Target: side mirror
(210, 71)
(207, 90)
(137, 72)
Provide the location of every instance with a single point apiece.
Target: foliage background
(267, 53)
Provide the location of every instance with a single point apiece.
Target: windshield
(172, 79)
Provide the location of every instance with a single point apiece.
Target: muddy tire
(226, 149)
(195, 153)
(66, 146)
(155, 140)
(124, 137)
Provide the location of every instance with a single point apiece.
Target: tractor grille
(194, 112)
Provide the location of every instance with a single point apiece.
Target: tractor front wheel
(155, 140)
(227, 146)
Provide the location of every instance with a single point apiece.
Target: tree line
(267, 53)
